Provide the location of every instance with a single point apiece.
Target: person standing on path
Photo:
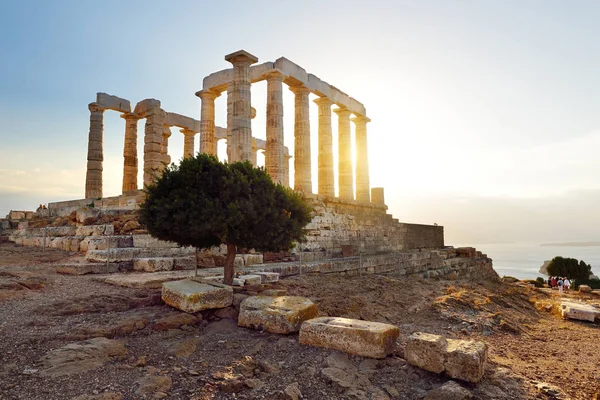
(560, 285)
(566, 284)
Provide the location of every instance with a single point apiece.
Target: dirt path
(172, 354)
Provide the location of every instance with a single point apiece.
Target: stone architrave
(208, 143)
(286, 170)
(241, 126)
(188, 142)
(165, 145)
(345, 180)
(95, 157)
(326, 182)
(153, 144)
(130, 160)
(362, 159)
(302, 161)
(274, 150)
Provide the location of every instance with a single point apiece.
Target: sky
(485, 115)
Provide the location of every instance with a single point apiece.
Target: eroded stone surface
(449, 391)
(153, 264)
(363, 338)
(426, 351)
(284, 314)
(579, 311)
(191, 295)
(465, 360)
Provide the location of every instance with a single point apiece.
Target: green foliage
(593, 283)
(202, 203)
(569, 267)
(540, 282)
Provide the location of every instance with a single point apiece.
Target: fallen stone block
(148, 280)
(153, 264)
(267, 277)
(192, 295)
(281, 315)
(362, 338)
(579, 311)
(449, 391)
(585, 289)
(251, 279)
(465, 360)
(426, 351)
(274, 292)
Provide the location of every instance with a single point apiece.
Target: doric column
(208, 144)
(345, 154)
(229, 123)
(188, 142)
(241, 127)
(286, 170)
(274, 150)
(326, 183)
(362, 160)
(153, 144)
(130, 160)
(254, 153)
(95, 156)
(165, 144)
(302, 163)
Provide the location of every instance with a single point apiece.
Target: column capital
(360, 119)
(129, 116)
(241, 57)
(274, 75)
(95, 107)
(208, 94)
(166, 131)
(188, 132)
(323, 101)
(342, 112)
(299, 89)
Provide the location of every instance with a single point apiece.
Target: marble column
(326, 182)
(95, 156)
(130, 160)
(286, 170)
(254, 153)
(153, 144)
(274, 150)
(188, 142)
(208, 144)
(302, 162)
(229, 119)
(345, 176)
(165, 144)
(362, 160)
(241, 127)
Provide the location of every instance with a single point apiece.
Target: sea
(523, 260)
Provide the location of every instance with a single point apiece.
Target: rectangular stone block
(153, 264)
(362, 338)
(251, 279)
(191, 295)
(579, 311)
(283, 315)
(465, 360)
(267, 277)
(113, 102)
(426, 351)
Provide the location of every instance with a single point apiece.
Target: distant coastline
(571, 244)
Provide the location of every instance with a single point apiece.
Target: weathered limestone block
(579, 311)
(95, 230)
(251, 279)
(465, 360)
(112, 255)
(61, 231)
(281, 315)
(267, 277)
(585, 289)
(449, 391)
(362, 338)
(113, 102)
(149, 241)
(251, 259)
(191, 295)
(153, 264)
(426, 351)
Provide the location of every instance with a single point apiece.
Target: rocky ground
(70, 337)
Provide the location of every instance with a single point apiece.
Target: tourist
(553, 281)
(560, 285)
(566, 284)
(550, 282)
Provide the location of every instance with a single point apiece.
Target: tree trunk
(229, 264)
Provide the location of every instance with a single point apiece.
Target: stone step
(164, 263)
(132, 253)
(94, 268)
(104, 242)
